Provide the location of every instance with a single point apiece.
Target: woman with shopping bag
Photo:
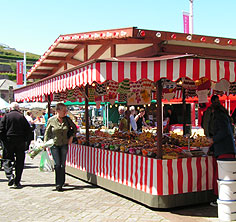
(61, 129)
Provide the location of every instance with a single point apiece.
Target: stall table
(155, 183)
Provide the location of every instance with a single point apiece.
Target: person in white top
(132, 120)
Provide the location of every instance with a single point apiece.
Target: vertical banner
(20, 72)
(186, 22)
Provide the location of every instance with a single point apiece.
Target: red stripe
(118, 166)
(234, 70)
(227, 72)
(109, 70)
(132, 170)
(169, 69)
(218, 70)
(182, 68)
(104, 164)
(115, 154)
(145, 175)
(100, 164)
(120, 71)
(123, 168)
(143, 70)
(199, 174)
(157, 70)
(170, 177)
(159, 177)
(133, 71)
(196, 69)
(151, 176)
(190, 175)
(127, 168)
(207, 171)
(208, 68)
(97, 67)
(136, 171)
(111, 166)
(180, 175)
(141, 173)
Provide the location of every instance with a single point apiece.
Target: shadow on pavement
(38, 185)
(30, 166)
(76, 187)
(200, 210)
(3, 180)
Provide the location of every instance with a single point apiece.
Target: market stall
(151, 180)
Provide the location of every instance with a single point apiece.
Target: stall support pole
(184, 112)
(159, 119)
(86, 115)
(49, 106)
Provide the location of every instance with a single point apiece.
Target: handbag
(70, 132)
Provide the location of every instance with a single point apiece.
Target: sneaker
(11, 180)
(213, 204)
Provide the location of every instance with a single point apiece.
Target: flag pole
(24, 68)
(191, 17)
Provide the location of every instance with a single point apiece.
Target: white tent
(3, 104)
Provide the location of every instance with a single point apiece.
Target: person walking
(57, 129)
(14, 131)
(223, 146)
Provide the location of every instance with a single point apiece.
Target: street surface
(37, 200)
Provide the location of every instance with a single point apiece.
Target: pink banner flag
(186, 22)
(19, 72)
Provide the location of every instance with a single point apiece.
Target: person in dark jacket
(14, 131)
(223, 146)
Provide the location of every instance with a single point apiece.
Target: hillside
(8, 58)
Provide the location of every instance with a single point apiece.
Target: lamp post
(191, 17)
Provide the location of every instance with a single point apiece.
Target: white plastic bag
(46, 165)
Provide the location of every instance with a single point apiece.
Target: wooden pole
(49, 106)
(159, 119)
(86, 115)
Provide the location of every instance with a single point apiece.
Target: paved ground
(38, 201)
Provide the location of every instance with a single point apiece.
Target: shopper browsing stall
(57, 129)
(123, 123)
(140, 120)
(132, 119)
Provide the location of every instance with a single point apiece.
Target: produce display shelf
(155, 183)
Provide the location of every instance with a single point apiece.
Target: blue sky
(34, 25)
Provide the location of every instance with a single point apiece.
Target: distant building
(4, 89)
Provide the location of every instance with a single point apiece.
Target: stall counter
(153, 182)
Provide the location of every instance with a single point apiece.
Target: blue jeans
(59, 154)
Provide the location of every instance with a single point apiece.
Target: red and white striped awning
(151, 69)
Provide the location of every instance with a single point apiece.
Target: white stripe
(150, 71)
(194, 173)
(112, 165)
(154, 188)
(210, 172)
(176, 69)
(127, 70)
(175, 176)
(116, 167)
(202, 70)
(85, 74)
(94, 72)
(115, 71)
(138, 70)
(109, 167)
(231, 71)
(203, 166)
(139, 172)
(121, 167)
(213, 75)
(185, 175)
(143, 170)
(125, 166)
(89, 74)
(148, 174)
(163, 68)
(165, 177)
(103, 74)
(189, 68)
(222, 69)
